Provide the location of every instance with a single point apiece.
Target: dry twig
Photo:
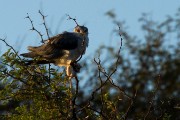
(44, 23)
(47, 33)
(74, 19)
(34, 29)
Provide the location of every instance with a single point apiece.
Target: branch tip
(70, 18)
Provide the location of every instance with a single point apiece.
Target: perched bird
(62, 50)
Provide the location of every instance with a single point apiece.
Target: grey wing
(66, 41)
(55, 47)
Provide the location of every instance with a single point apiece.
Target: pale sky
(90, 13)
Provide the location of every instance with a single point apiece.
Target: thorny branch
(108, 79)
(39, 33)
(74, 19)
(34, 29)
(101, 69)
(44, 23)
(108, 76)
(47, 32)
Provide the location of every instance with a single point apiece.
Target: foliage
(140, 85)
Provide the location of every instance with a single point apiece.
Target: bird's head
(81, 29)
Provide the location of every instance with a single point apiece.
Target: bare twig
(74, 19)
(44, 23)
(47, 32)
(108, 78)
(120, 47)
(102, 71)
(34, 29)
(88, 105)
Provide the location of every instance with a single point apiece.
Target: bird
(64, 49)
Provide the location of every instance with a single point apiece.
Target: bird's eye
(85, 30)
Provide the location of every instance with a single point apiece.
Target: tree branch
(70, 18)
(34, 29)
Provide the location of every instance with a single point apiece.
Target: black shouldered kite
(62, 50)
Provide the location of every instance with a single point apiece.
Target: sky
(90, 13)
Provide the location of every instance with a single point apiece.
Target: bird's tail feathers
(31, 48)
(30, 62)
(29, 55)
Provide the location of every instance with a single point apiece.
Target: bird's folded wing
(55, 47)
